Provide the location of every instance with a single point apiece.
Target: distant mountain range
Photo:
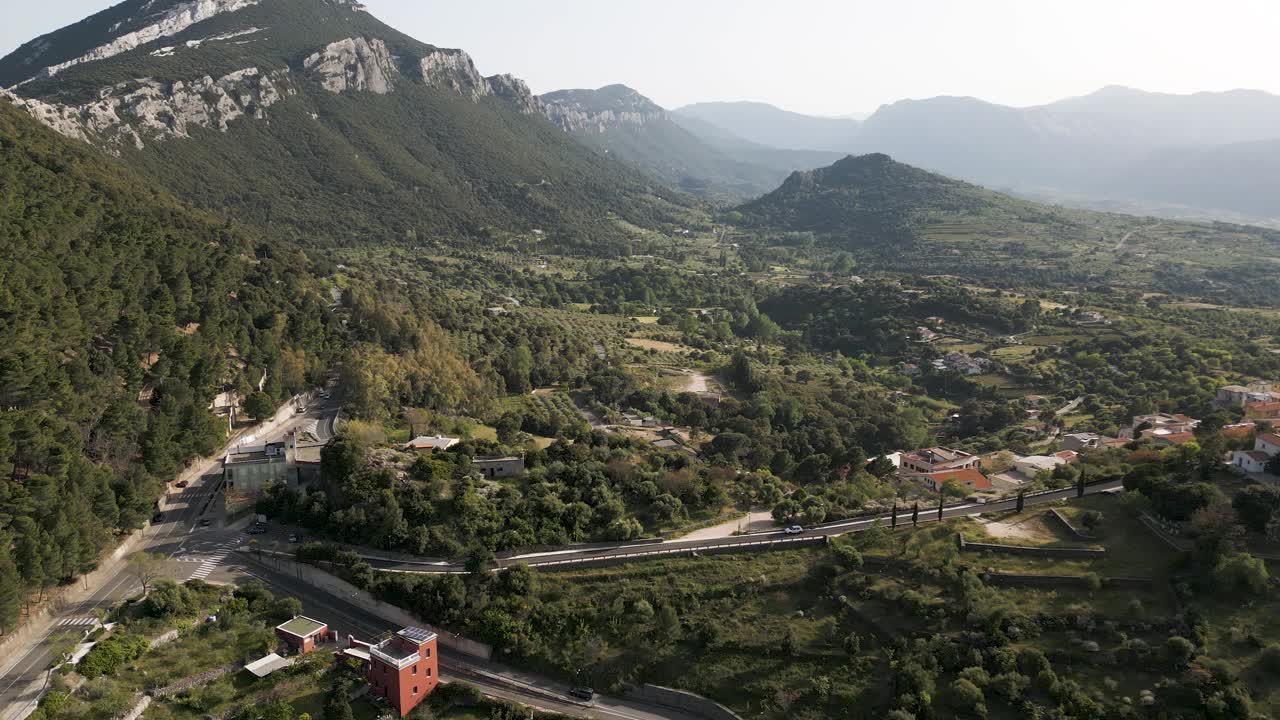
(1206, 154)
(681, 151)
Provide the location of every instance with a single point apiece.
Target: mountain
(1238, 178)
(894, 216)
(622, 123)
(123, 312)
(868, 195)
(1112, 144)
(625, 125)
(767, 125)
(314, 120)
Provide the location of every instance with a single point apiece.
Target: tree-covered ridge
(869, 196)
(122, 313)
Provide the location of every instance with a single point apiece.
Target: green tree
(259, 406)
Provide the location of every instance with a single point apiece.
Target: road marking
(77, 621)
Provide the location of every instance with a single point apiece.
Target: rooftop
(939, 454)
(301, 627)
(264, 666)
(435, 442)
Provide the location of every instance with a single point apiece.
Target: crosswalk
(209, 563)
(77, 621)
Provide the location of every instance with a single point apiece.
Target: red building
(402, 668)
(302, 633)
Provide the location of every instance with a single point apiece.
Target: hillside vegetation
(122, 314)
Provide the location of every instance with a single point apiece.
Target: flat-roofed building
(403, 668)
(302, 634)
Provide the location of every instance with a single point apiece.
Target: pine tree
(10, 592)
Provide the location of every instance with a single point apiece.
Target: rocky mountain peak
(601, 109)
(109, 33)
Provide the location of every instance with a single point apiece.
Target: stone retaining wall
(1071, 581)
(1044, 552)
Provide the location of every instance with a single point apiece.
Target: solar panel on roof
(417, 634)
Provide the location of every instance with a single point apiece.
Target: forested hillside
(122, 314)
(317, 122)
(876, 207)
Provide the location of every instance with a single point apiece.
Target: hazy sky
(829, 56)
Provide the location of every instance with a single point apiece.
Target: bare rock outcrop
(454, 70)
(354, 64)
(170, 22)
(514, 90)
(131, 112)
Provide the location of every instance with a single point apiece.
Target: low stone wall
(680, 700)
(195, 681)
(1065, 522)
(1067, 581)
(1044, 552)
(164, 639)
(138, 708)
(338, 587)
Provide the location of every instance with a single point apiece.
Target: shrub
(1269, 658)
(109, 655)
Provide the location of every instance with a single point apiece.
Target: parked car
(793, 530)
(204, 522)
(293, 537)
(183, 483)
(157, 517)
(583, 693)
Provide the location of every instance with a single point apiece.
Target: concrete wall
(338, 587)
(681, 700)
(1044, 552)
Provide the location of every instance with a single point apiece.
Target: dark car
(583, 693)
(183, 483)
(157, 517)
(204, 522)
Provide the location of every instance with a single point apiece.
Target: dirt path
(1130, 234)
(754, 522)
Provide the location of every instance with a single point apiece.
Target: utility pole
(915, 514)
(1022, 496)
(893, 519)
(941, 500)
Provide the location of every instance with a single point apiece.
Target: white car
(793, 530)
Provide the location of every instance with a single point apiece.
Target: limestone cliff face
(354, 64)
(143, 110)
(578, 120)
(599, 110)
(454, 70)
(166, 23)
(514, 90)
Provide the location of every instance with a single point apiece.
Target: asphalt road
(493, 679)
(22, 683)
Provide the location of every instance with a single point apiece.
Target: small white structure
(432, 443)
(264, 666)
